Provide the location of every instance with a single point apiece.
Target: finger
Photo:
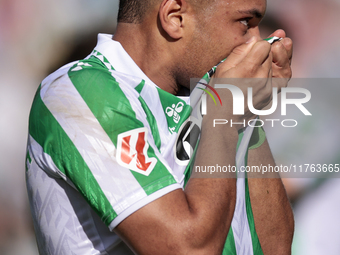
(267, 64)
(269, 83)
(279, 72)
(280, 55)
(265, 70)
(288, 44)
(257, 57)
(238, 54)
(281, 60)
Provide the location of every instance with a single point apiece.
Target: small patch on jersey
(174, 111)
(132, 148)
(80, 66)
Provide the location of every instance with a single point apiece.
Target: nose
(254, 31)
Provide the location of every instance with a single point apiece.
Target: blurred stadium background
(38, 36)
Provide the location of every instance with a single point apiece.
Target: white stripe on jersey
(140, 204)
(44, 161)
(66, 105)
(59, 230)
(240, 225)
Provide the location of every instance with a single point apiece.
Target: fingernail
(251, 39)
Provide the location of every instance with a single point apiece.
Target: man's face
(225, 25)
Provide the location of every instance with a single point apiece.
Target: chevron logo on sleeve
(132, 148)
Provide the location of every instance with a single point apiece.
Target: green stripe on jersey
(229, 246)
(175, 110)
(140, 87)
(113, 110)
(152, 123)
(149, 117)
(48, 133)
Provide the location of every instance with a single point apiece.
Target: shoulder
(91, 72)
(85, 88)
(89, 80)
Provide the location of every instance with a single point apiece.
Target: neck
(148, 51)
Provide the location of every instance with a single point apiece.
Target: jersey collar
(119, 58)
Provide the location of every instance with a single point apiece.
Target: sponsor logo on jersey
(186, 142)
(174, 111)
(188, 136)
(132, 148)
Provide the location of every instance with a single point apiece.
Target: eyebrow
(255, 12)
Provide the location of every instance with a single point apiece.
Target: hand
(247, 61)
(282, 55)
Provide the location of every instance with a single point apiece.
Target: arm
(274, 220)
(197, 220)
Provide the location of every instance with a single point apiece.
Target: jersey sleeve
(84, 129)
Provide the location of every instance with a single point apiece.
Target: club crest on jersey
(132, 148)
(174, 111)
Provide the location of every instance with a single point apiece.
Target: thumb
(238, 54)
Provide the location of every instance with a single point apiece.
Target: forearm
(213, 196)
(195, 221)
(274, 221)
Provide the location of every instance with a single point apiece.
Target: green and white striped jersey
(103, 142)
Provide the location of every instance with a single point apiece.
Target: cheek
(230, 37)
(237, 39)
(229, 43)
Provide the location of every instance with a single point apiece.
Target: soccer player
(108, 164)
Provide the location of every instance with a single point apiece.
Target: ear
(171, 15)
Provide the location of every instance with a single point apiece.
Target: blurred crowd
(38, 36)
